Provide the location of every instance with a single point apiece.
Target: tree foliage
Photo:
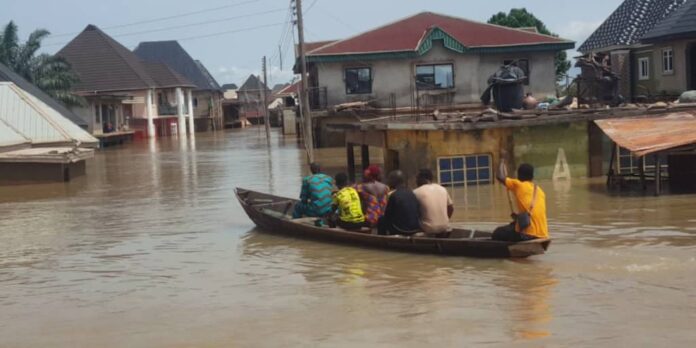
(50, 73)
(521, 18)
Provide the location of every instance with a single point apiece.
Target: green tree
(50, 73)
(520, 18)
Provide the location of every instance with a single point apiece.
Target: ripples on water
(151, 249)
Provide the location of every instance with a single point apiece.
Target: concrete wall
(662, 82)
(26, 173)
(397, 76)
(538, 146)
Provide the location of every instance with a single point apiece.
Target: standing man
(531, 201)
(315, 196)
(402, 215)
(436, 206)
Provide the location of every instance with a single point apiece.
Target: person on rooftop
(436, 207)
(530, 221)
(315, 195)
(346, 201)
(373, 194)
(402, 215)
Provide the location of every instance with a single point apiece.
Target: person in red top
(373, 195)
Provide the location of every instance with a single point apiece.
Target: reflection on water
(150, 249)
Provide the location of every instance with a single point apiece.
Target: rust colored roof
(643, 136)
(406, 35)
(311, 46)
(290, 89)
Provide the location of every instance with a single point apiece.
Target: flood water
(151, 249)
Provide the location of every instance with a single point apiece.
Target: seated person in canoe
(315, 195)
(348, 209)
(530, 221)
(373, 194)
(402, 215)
(435, 203)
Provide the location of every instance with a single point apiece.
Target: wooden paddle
(504, 170)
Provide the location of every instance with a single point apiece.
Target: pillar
(365, 156)
(350, 155)
(150, 121)
(180, 111)
(658, 175)
(191, 123)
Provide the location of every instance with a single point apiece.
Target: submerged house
(207, 96)
(649, 44)
(125, 94)
(251, 100)
(37, 140)
(427, 60)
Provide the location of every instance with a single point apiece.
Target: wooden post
(365, 156)
(266, 119)
(350, 155)
(304, 102)
(658, 175)
(610, 174)
(642, 173)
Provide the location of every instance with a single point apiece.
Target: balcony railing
(165, 109)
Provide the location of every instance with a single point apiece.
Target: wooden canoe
(273, 214)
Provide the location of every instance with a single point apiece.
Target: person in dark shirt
(402, 215)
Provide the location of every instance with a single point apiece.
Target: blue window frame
(465, 170)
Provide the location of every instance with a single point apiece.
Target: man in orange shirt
(530, 199)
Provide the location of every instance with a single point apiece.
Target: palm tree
(50, 73)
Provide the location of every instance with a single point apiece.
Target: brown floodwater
(151, 249)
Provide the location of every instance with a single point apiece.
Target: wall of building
(537, 145)
(26, 173)
(397, 76)
(662, 82)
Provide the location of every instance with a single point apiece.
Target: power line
(197, 23)
(148, 21)
(207, 35)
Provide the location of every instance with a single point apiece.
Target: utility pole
(304, 101)
(266, 119)
(280, 55)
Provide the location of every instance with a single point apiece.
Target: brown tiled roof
(104, 65)
(165, 77)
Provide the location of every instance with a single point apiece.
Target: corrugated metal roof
(37, 121)
(10, 137)
(6, 74)
(643, 136)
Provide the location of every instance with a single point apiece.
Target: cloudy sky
(231, 36)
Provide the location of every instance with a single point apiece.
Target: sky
(231, 36)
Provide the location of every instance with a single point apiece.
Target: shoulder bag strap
(531, 206)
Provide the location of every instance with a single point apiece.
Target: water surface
(151, 249)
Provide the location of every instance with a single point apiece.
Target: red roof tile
(406, 35)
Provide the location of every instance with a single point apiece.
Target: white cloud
(579, 30)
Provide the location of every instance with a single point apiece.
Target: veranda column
(180, 112)
(150, 121)
(192, 127)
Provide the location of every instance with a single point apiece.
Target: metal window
(465, 170)
(644, 68)
(629, 164)
(435, 76)
(667, 61)
(358, 80)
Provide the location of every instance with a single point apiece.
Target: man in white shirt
(435, 205)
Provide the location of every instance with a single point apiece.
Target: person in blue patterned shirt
(316, 194)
